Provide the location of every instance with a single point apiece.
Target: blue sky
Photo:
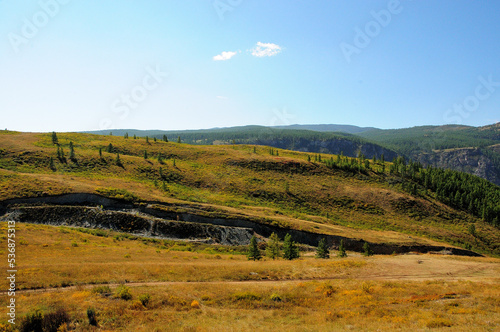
(85, 65)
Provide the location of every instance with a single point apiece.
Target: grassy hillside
(319, 193)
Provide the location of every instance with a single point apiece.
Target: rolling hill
(396, 207)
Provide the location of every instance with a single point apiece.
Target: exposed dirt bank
(181, 222)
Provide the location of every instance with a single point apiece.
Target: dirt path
(399, 268)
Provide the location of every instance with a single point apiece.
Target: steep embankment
(161, 221)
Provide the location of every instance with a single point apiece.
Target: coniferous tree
(125, 136)
(135, 136)
(253, 250)
(71, 151)
(174, 163)
(51, 165)
(290, 248)
(322, 251)
(109, 149)
(273, 249)
(342, 253)
(147, 139)
(118, 160)
(367, 251)
(165, 138)
(100, 152)
(54, 138)
(154, 139)
(179, 139)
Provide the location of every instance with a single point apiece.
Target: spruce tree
(367, 251)
(54, 138)
(322, 251)
(109, 149)
(147, 140)
(179, 139)
(51, 165)
(290, 248)
(165, 138)
(273, 249)
(100, 152)
(253, 250)
(125, 136)
(118, 161)
(342, 252)
(145, 154)
(71, 151)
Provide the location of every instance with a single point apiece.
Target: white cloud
(266, 49)
(224, 56)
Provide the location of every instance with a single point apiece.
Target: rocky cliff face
(468, 160)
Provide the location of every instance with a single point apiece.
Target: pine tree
(342, 252)
(147, 140)
(109, 149)
(54, 138)
(179, 139)
(322, 251)
(100, 152)
(165, 138)
(135, 136)
(290, 248)
(253, 250)
(154, 139)
(71, 151)
(174, 163)
(145, 154)
(51, 165)
(118, 161)
(367, 251)
(308, 158)
(254, 149)
(273, 249)
(125, 136)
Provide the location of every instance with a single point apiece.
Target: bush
(123, 292)
(32, 322)
(101, 290)
(52, 321)
(91, 315)
(145, 298)
(276, 298)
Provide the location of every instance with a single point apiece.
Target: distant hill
(290, 139)
(329, 128)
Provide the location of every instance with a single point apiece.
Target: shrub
(275, 297)
(91, 315)
(145, 298)
(123, 292)
(52, 321)
(195, 305)
(32, 322)
(248, 296)
(101, 290)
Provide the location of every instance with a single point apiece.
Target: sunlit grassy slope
(178, 286)
(292, 188)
